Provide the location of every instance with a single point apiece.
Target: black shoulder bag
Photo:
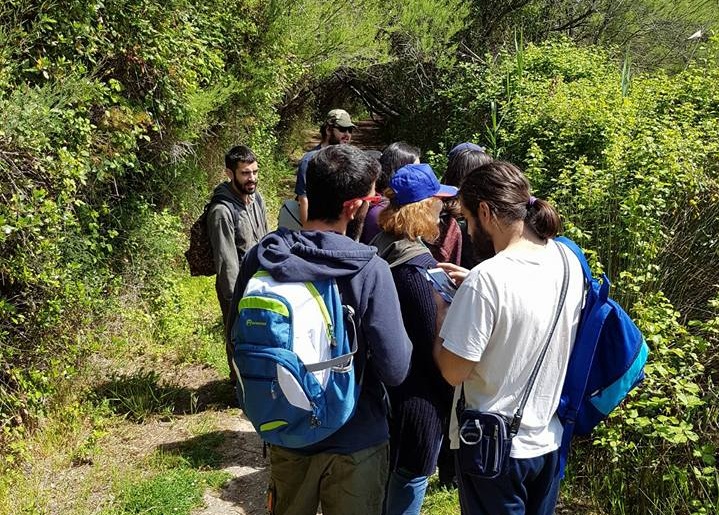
(485, 438)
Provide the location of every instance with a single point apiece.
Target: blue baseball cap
(416, 182)
(465, 146)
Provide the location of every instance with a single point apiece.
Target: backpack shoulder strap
(580, 361)
(220, 200)
(289, 212)
(577, 252)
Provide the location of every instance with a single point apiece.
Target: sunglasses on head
(372, 199)
(343, 129)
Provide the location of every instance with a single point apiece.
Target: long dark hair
(460, 164)
(507, 192)
(394, 157)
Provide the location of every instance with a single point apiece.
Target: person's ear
(350, 209)
(230, 174)
(484, 212)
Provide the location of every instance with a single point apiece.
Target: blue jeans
(530, 487)
(405, 493)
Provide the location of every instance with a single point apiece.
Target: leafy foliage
(634, 173)
(114, 116)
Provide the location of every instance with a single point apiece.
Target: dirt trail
(366, 136)
(242, 448)
(241, 453)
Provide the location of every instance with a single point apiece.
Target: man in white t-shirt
(494, 331)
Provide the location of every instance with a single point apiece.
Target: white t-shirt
(500, 318)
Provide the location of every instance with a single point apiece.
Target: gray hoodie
(234, 227)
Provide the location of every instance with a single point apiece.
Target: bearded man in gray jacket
(236, 221)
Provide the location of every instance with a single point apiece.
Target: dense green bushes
(634, 171)
(94, 101)
(98, 101)
(114, 116)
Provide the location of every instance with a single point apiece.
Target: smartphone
(441, 282)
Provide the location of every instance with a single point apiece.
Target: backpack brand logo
(252, 323)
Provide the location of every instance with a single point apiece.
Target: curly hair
(411, 221)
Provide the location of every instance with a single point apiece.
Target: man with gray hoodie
(347, 471)
(236, 221)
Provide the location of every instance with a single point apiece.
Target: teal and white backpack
(294, 359)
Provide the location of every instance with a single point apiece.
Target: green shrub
(633, 171)
(114, 117)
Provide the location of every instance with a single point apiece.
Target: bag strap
(580, 255)
(345, 360)
(289, 212)
(591, 323)
(519, 413)
(575, 385)
(233, 207)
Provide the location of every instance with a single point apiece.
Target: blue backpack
(606, 363)
(293, 359)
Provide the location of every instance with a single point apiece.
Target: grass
(89, 470)
(199, 453)
(176, 491)
(78, 461)
(439, 500)
(138, 396)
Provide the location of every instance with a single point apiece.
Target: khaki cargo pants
(351, 484)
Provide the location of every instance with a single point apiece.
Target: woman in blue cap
(420, 405)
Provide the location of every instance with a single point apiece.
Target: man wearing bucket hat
(420, 405)
(336, 130)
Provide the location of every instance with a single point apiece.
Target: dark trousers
(530, 487)
(225, 306)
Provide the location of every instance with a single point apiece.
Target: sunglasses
(343, 129)
(372, 199)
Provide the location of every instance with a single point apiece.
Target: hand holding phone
(457, 273)
(441, 282)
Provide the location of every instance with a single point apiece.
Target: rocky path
(242, 457)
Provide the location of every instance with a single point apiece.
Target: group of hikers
(374, 224)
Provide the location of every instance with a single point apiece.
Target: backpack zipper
(325, 314)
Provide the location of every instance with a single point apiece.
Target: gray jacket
(234, 227)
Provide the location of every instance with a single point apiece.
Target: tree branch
(571, 24)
